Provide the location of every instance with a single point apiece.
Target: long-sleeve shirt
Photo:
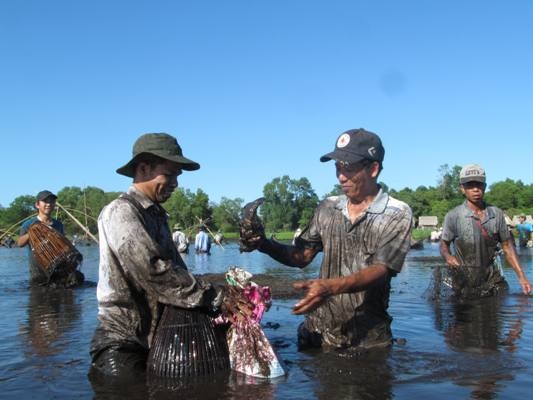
(140, 271)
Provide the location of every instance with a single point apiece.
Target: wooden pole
(87, 231)
(14, 225)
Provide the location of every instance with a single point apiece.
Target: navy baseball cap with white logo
(356, 145)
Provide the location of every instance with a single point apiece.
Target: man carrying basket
(53, 259)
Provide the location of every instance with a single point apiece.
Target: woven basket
(53, 252)
(186, 344)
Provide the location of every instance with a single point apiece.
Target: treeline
(289, 204)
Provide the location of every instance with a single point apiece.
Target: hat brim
(46, 197)
(340, 155)
(185, 164)
(473, 179)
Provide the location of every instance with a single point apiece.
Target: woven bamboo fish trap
(53, 252)
(187, 345)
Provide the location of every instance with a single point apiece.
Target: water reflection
(51, 312)
(349, 375)
(489, 329)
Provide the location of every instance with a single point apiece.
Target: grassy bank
(288, 235)
(421, 233)
(284, 235)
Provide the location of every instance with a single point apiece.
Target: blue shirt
(524, 230)
(202, 243)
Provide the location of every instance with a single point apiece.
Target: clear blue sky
(255, 90)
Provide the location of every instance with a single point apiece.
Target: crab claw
(250, 226)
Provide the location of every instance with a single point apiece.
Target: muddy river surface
(479, 350)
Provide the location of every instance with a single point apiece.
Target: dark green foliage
(20, 208)
(188, 209)
(226, 214)
(289, 203)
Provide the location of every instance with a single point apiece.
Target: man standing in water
(180, 239)
(524, 231)
(476, 229)
(45, 204)
(365, 235)
(202, 241)
(140, 268)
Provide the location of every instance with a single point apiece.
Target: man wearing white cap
(476, 229)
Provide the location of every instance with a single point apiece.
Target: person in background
(524, 231)
(202, 241)
(364, 235)
(476, 230)
(219, 238)
(45, 204)
(297, 233)
(181, 241)
(140, 268)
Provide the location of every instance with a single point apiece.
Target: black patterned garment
(381, 235)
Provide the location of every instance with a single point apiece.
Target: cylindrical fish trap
(186, 344)
(53, 252)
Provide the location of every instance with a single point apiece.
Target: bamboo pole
(86, 230)
(82, 213)
(16, 224)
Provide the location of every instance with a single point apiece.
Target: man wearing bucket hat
(477, 230)
(364, 235)
(140, 268)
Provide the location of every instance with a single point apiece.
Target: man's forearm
(285, 254)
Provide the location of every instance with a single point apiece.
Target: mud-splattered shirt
(140, 271)
(475, 242)
(381, 235)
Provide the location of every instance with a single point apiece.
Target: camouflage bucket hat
(162, 145)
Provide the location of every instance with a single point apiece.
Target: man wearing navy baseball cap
(364, 235)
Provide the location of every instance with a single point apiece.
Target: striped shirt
(380, 235)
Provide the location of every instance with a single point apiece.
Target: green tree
(305, 201)
(20, 208)
(187, 208)
(278, 211)
(289, 203)
(226, 214)
(449, 182)
(505, 195)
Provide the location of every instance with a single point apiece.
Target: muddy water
(480, 350)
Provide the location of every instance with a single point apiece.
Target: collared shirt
(37, 275)
(381, 235)
(475, 245)
(472, 247)
(140, 270)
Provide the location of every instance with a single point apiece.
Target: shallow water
(482, 350)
